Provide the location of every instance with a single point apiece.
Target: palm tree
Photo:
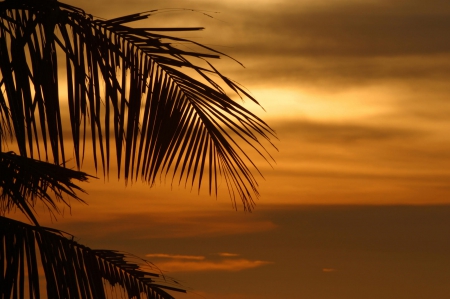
(132, 95)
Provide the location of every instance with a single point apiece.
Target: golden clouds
(184, 263)
(225, 265)
(371, 161)
(175, 256)
(357, 91)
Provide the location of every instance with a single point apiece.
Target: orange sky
(358, 94)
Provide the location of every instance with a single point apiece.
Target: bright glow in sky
(351, 105)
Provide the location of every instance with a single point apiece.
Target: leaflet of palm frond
(130, 89)
(6, 130)
(25, 181)
(71, 270)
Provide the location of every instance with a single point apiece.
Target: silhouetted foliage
(71, 269)
(131, 94)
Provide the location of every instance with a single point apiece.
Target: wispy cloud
(326, 270)
(196, 263)
(176, 256)
(227, 254)
(223, 265)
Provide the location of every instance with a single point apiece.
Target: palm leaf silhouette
(129, 90)
(71, 269)
(131, 94)
(23, 181)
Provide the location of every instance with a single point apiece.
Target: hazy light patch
(352, 104)
(176, 256)
(225, 265)
(227, 254)
(328, 270)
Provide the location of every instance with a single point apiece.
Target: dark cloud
(342, 44)
(357, 29)
(345, 133)
(400, 147)
(296, 29)
(333, 44)
(339, 43)
(139, 226)
(331, 73)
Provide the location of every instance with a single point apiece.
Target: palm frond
(129, 90)
(71, 270)
(24, 181)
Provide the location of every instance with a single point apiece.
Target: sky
(356, 204)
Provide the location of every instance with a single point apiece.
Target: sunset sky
(356, 204)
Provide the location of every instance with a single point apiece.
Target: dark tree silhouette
(132, 96)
